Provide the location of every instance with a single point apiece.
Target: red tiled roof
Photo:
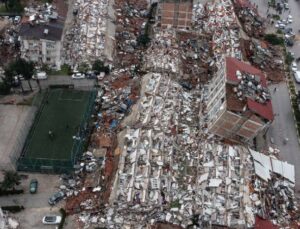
(264, 110)
(264, 224)
(233, 64)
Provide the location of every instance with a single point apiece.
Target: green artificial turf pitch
(62, 113)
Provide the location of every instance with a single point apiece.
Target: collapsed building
(170, 168)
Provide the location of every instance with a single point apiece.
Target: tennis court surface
(61, 117)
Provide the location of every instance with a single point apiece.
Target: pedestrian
(275, 89)
(51, 135)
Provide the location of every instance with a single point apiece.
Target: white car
(51, 219)
(78, 75)
(40, 76)
(294, 66)
(297, 76)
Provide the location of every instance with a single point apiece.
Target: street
(283, 125)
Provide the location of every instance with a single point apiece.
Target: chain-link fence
(56, 165)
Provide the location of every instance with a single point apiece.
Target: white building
(42, 43)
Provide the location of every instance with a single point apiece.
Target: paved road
(294, 11)
(284, 127)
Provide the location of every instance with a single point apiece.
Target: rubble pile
(82, 190)
(266, 57)
(41, 13)
(130, 17)
(9, 43)
(272, 190)
(8, 220)
(85, 40)
(248, 15)
(196, 54)
(170, 172)
(212, 18)
(162, 55)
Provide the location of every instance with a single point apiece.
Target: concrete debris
(8, 221)
(41, 13)
(146, 179)
(85, 40)
(8, 40)
(265, 57)
(212, 18)
(248, 15)
(150, 158)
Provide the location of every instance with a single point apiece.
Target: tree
(24, 68)
(13, 6)
(83, 67)
(99, 66)
(274, 39)
(11, 178)
(143, 40)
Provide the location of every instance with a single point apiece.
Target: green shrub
(10, 192)
(13, 208)
(274, 39)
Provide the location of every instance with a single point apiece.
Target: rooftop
(234, 65)
(247, 85)
(36, 32)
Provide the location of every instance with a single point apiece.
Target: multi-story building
(42, 43)
(177, 14)
(241, 107)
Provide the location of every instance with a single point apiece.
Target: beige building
(42, 43)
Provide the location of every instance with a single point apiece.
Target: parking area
(36, 205)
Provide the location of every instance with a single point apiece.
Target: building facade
(239, 105)
(42, 43)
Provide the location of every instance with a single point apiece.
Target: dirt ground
(14, 123)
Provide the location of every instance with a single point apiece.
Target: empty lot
(15, 122)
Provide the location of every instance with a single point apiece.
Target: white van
(40, 76)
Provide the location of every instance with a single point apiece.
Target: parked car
(78, 75)
(297, 76)
(91, 75)
(289, 42)
(294, 66)
(56, 197)
(40, 76)
(51, 219)
(33, 186)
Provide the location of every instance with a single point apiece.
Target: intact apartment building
(238, 105)
(176, 14)
(42, 43)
